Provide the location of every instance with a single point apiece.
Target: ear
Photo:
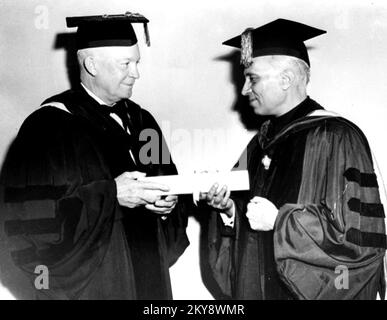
(287, 79)
(89, 65)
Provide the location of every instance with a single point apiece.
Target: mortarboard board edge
(128, 16)
(265, 27)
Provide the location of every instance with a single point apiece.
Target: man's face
(263, 86)
(116, 72)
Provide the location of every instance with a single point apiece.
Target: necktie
(120, 110)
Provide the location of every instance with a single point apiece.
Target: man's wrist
(229, 217)
(230, 211)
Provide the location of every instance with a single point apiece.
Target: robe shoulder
(46, 118)
(341, 131)
(48, 150)
(339, 126)
(321, 128)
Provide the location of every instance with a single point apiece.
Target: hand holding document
(133, 191)
(201, 182)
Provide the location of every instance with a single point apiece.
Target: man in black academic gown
(312, 224)
(73, 199)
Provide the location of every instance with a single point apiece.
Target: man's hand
(219, 199)
(163, 206)
(262, 214)
(132, 193)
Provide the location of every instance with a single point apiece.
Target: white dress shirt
(100, 101)
(112, 115)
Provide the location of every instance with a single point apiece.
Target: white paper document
(202, 182)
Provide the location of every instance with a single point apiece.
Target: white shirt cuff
(228, 221)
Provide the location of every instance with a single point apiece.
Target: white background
(185, 84)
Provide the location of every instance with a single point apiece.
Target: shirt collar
(91, 94)
(299, 111)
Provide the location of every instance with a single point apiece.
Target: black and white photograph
(205, 151)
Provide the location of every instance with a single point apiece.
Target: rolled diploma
(202, 182)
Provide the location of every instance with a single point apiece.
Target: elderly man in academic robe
(312, 224)
(75, 203)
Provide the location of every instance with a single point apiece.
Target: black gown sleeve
(60, 202)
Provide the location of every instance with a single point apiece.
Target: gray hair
(298, 66)
(82, 55)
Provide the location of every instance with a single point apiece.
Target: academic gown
(60, 208)
(329, 239)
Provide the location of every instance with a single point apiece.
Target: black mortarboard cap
(279, 37)
(107, 30)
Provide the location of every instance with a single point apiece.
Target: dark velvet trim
(25, 256)
(374, 210)
(366, 239)
(367, 180)
(30, 193)
(36, 226)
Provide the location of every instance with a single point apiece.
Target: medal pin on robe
(266, 162)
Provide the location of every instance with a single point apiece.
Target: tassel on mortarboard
(246, 47)
(279, 37)
(147, 37)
